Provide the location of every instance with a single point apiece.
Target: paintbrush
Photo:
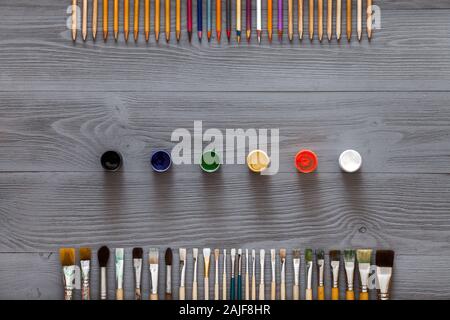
(290, 20)
(153, 261)
(296, 286)
(224, 275)
(247, 277)
(349, 263)
(94, 19)
(349, 19)
(84, 22)
(157, 19)
(320, 19)
(168, 257)
(216, 274)
(167, 19)
(273, 283)
(338, 19)
(300, 19)
(369, 19)
(253, 274)
(67, 258)
(116, 20)
(283, 274)
(320, 256)
(178, 19)
(119, 273)
(105, 19)
(137, 266)
(385, 263)
(103, 257)
(335, 261)
(330, 20)
(206, 259)
(232, 284)
(194, 278)
(309, 266)
(136, 20)
(74, 20)
(363, 257)
(147, 19)
(85, 265)
(359, 18)
(311, 20)
(239, 275)
(182, 289)
(262, 295)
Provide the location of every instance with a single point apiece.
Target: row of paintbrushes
(384, 262)
(228, 19)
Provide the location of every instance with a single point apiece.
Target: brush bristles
(216, 254)
(320, 254)
(85, 254)
(168, 257)
(206, 254)
(282, 253)
(103, 256)
(138, 253)
(335, 255)
(153, 256)
(308, 255)
(195, 253)
(363, 255)
(349, 255)
(385, 258)
(119, 253)
(296, 254)
(233, 252)
(272, 254)
(67, 256)
(182, 253)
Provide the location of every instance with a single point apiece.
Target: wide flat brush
(320, 256)
(273, 283)
(153, 260)
(84, 23)
(239, 275)
(168, 259)
(309, 265)
(296, 262)
(182, 288)
(224, 276)
(195, 272)
(232, 279)
(103, 257)
(385, 264)
(85, 266)
(216, 274)
(67, 259)
(137, 266)
(363, 256)
(94, 19)
(349, 264)
(74, 20)
(335, 261)
(262, 290)
(283, 274)
(206, 260)
(119, 273)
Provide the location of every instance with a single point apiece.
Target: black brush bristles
(103, 256)
(138, 253)
(385, 258)
(335, 255)
(168, 257)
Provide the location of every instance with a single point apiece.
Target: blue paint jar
(161, 161)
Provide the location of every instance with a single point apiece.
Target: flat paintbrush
(119, 273)
(153, 260)
(320, 256)
(385, 263)
(137, 266)
(273, 283)
(296, 287)
(216, 274)
(309, 266)
(194, 277)
(103, 257)
(85, 266)
(363, 257)
(182, 289)
(67, 258)
(283, 274)
(206, 259)
(168, 259)
(335, 261)
(349, 264)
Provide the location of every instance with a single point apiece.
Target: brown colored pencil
(116, 20)
(349, 19)
(147, 19)
(136, 19)
(105, 19)
(369, 19)
(311, 20)
(126, 19)
(74, 20)
(330, 20)
(300, 19)
(94, 18)
(320, 19)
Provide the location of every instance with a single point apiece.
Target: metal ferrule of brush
(68, 279)
(364, 270)
(309, 266)
(296, 271)
(119, 274)
(335, 270)
(154, 273)
(350, 270)
(103, 288)
(168, 279)
(85, 273)
(320, 264)
(137, 264)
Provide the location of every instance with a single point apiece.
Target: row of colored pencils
(334, 7)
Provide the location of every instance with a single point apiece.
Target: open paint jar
(161, 161)
(258, 161)
(306, 161)
(111, 160)
(210, 161)
(350, 161)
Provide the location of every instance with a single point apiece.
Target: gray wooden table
(63, 104)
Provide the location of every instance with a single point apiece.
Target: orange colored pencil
(300, 19)
(269, 19)
(157, 19)
(147, 19)
(218, 19)
(167, 20)
(349, 19)
(178, 19)
(136, 19)
(126, 18)
(116, 19)
(105, 19)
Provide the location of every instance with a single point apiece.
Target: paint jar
(111, 160)
(306, 161)
(210, 161)
(258, 161)
(350, 161)
(161, 161)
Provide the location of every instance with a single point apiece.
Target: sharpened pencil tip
(178, 35)
(219, 34)
(167, 37)
(229, 35)
(280, 35)
(147, 35)
(209, 36)
(190, 36)
(136, 35)
(200, 35)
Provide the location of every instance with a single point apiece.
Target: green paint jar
(210, 161)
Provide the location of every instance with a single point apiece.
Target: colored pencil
(259, 21)
(208, 19)
(126, 19)
(248, 18)
(290, 20)
(199, 19)
(189, 19)
(84, 22)
(330, 20)
(136, 20)
(147, 19)
(369, 19)
(116, 20)
(359, 16)
(269, 18)
(157, 19)
(338, 19)
(320, 19)
(178, 19)
(228, 18)
(105, 19)
(218, 19)
(74, 20)
(167, 20)
(349, 19)
(94, 19)
(311, 20)
(280, 20)
(238, 20)
(301, 13)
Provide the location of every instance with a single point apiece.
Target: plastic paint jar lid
(258, 161)
(350, 161)
(111, 160)
(161, 161)
(306, 161)
(210, 161)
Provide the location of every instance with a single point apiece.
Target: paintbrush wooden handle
(283, 291)
(334, 293)
(206, 286)
(273, 290)
(182, 293)
(224, 286)
(253, 287)
(153, 296)
(216, 291)
(321, 293)
(296, 292)
(247, 286)
(137, 294)
(364, 296)
(194, 290)
(350, 295)
(119, 294)
(262, 295)
(309, 294)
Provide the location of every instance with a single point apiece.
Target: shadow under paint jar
(111, 160)
(210, 161)
(161, 161)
